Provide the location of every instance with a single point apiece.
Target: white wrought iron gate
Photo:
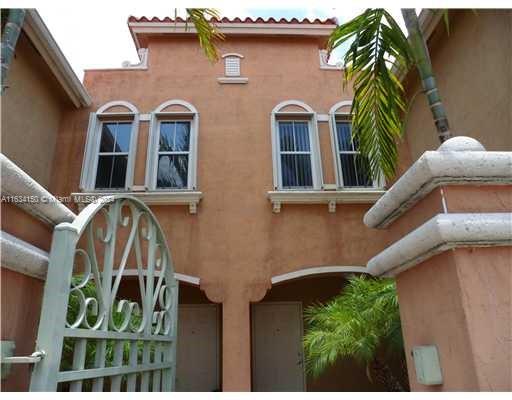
(95, 334)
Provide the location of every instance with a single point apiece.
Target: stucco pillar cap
(458, 161)
(461, 143)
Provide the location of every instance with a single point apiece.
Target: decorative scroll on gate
(100, 329)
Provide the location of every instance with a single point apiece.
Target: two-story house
(249, 167)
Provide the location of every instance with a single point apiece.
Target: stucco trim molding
(143, 61)
(138, 29)
(324, 62)
(344, 103)
(232, 55)
(428, 20)
(310, 271)
(192, 280)
(306, 107)
(331, 198)
(441, 233)
(117, 103)
(45, 44)
(20, 256)
(175, 102)
(188, 198)
(21, 189)
(436, 168)
(235, 80)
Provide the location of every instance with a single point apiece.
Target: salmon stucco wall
(32, 108)
(234, 241)
(472, 66)
(234, 244)
(21, 298)
(460, 301)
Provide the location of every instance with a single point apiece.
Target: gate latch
(34, 358)
(7, 358)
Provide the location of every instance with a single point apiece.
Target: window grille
(295, 154)
(354, 167)
(232, 66)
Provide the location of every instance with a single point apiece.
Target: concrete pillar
(460, 302)
(236, 345)
(236, 297)
(450, 217)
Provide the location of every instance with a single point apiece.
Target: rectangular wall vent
(232, 65)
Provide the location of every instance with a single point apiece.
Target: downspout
(424, 66)
(10, 37)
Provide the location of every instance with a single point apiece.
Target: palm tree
(207, 32)
(362, 323)
(10, 35)
(379, 54)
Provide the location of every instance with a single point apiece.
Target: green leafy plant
(362, 323)
(89, 291)
(207, 33)
(376, 59)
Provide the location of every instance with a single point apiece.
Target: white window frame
(333, 113)
(92, 146)
(308, 115)
(157, 116)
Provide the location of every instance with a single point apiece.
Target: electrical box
(427, 365)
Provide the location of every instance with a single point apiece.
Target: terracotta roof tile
(247, 20)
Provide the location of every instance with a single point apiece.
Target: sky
(97, 36)
(94, 33)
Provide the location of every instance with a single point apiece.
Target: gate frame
(52, 326)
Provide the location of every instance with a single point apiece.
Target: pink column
(451, 256)
(236, 345)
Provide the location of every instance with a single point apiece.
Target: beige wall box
(426, 363)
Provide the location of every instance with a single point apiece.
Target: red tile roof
(247, 20)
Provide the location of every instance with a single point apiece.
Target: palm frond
(378, 45)
(446, 20)
(359, 322)
(207, 33)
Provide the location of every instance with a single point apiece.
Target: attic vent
(232, 69)
(232, 66)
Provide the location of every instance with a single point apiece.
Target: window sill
(232, 80)
(331, 198)
(160, 198)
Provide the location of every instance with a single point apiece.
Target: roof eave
(428, 21)
(243, 28)
(36, 30)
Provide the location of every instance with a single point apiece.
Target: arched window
(352, 170)
(295, 146)
(172, 149)
(111, 143)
